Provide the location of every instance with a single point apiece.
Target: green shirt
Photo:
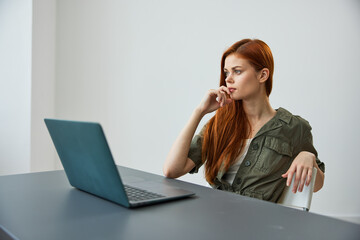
(270, 155)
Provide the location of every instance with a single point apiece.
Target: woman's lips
(232, 89)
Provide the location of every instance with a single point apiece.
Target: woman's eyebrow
(234, 67)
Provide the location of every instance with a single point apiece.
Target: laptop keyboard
(136, 194)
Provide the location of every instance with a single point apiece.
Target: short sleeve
(195, 150)
(307, 145)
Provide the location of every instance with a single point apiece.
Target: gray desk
(44, 206)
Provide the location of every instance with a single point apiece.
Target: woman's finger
(218, 96)
(223, 98)
(225, 89)
(309, 176)
(289, 177)
(285, 175)
(302, 180)
(297, 179)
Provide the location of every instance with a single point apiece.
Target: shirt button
(238, 181)
(255, 146)
(247, 163)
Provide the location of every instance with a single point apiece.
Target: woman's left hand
(302, 167)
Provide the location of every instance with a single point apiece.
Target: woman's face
(241, 78)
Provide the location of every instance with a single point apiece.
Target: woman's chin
(235, 98)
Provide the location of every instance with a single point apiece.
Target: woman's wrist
(199, 112)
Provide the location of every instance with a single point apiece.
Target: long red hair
(225, 133)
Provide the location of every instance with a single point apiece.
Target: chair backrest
(300, 200)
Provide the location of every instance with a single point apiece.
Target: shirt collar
(283, 115)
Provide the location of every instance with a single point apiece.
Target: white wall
(141, 67)
(43, 83)
(15, 85)
(27, 77)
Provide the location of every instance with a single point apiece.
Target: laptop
(89, 166)
(6, 235)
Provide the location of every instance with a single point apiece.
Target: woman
(247, 146)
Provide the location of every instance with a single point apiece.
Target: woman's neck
(258, 110)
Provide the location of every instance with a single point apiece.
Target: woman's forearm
(176, 161)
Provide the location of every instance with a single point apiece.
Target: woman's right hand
(214, 99)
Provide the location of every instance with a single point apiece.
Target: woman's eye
(226, 74)
(237, 71)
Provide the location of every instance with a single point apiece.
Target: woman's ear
(263, 75)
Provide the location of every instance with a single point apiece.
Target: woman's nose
(229, 78)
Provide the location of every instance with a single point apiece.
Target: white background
(141, 67)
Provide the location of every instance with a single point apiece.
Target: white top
(229, 176)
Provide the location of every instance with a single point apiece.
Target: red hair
(225, 133)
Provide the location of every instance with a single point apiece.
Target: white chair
(300, 200)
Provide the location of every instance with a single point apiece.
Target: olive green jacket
(270, 155)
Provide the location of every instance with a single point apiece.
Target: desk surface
(44, 206)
